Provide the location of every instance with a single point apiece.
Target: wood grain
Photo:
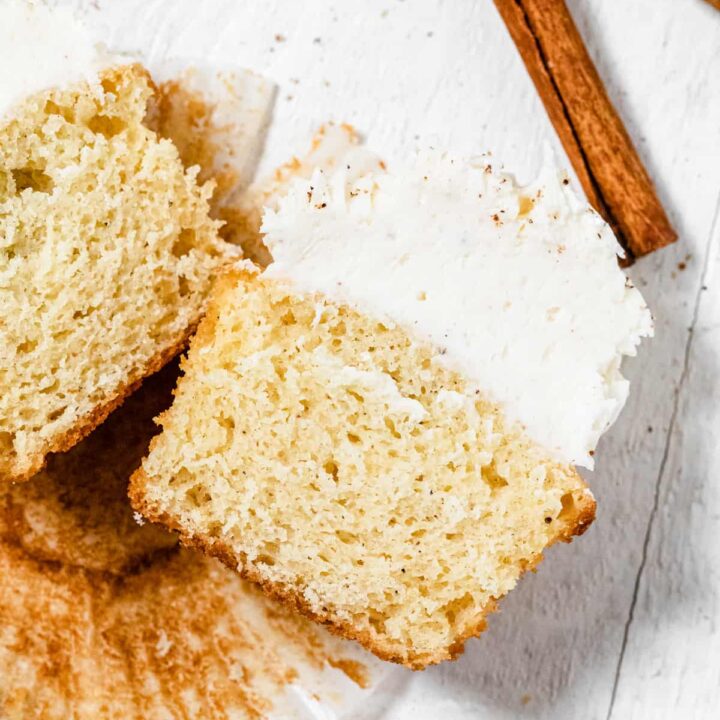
(598, 146)
(673, 642)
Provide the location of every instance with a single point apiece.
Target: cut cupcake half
(106, 247)
(382, 428)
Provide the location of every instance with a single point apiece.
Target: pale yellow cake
(106, 257)
(326, 456)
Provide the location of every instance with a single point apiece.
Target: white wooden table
(625, 623)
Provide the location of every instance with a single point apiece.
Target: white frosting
(43, 48)
(525, 298)
(334, 146)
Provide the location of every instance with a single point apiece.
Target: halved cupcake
(381, 429)
(106, 247)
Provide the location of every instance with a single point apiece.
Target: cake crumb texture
(351, 473)
(106, 255)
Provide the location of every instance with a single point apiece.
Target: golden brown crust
(98, 415)
(576, 522)
(581, 518)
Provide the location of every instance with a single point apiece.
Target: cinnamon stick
(715, 4)
(595, 140)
